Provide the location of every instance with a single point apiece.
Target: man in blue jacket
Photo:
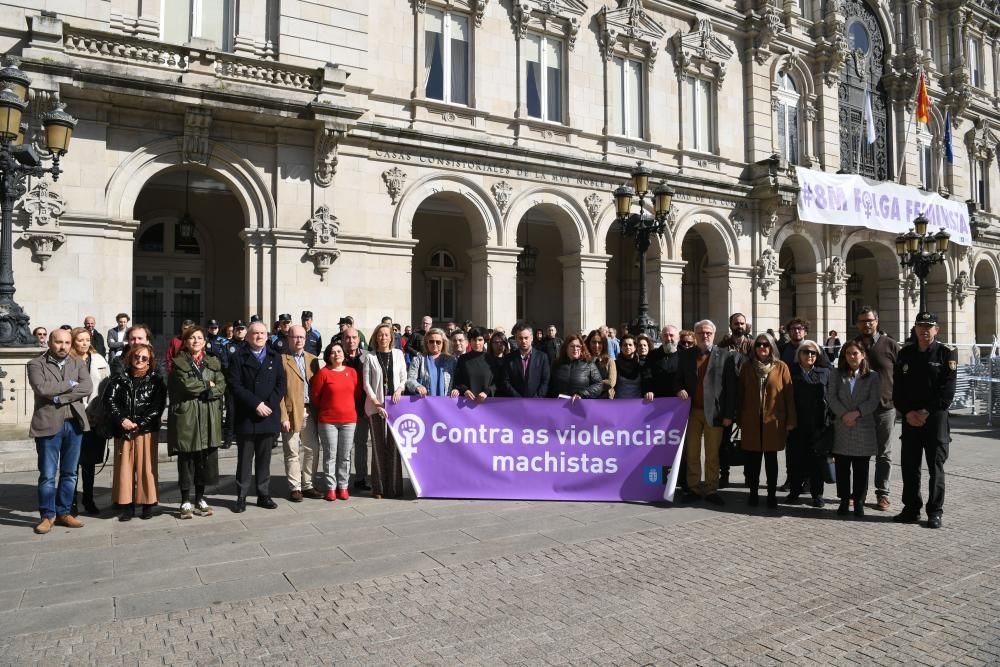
(525, 370)
(257, 378)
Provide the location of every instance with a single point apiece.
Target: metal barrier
(978, 382)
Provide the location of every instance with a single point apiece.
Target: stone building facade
(458, 157)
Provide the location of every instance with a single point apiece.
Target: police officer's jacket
(926, 381)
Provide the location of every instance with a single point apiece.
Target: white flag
(869, 119)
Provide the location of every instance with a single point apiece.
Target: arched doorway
(441, 262)
(873, 280)
(862, 71)
(694, 280)
(622, 286)
(797, 290)
(986, 302)
(188, 260)
(705, 280)
(540, 296)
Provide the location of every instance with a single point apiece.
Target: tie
(524, 366)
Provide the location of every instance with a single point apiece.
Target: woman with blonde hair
(94, 444)
(133, 405)
(384, 378)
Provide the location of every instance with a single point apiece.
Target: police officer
(314, 339)
(923, 387)
(279, 340)
(217, 345)
(231, 346)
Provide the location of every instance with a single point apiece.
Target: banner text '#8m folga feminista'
(545, 449)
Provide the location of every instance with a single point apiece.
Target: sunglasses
(810, 353)
(762, 345)
(686, 343)
(140, 358)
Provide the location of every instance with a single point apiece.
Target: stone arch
(605, 224)
(570, 217)
(146, 161)
(808, 251)
(480, 211)
(797, 67)
(719, 237)
(986, 277)
(883, 249)
(987, 261)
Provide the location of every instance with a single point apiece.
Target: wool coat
(765, 417)
(253, 382)
(194, 422)
(860, 439)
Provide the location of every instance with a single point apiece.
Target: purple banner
(541, 449)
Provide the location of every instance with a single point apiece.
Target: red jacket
(333, 395)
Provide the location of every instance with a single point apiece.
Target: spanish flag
(923, 102)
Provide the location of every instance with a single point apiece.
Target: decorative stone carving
(549, 16)
(672, 218)
(835, 277)
(501, 193)
(321, 235)
(43, 206)
(765, 272)
(834, 51)
(476, 7)
(768, 223)
(702, 53)
(395, 180)
(197, 123)
(981, 141)
(593, 202)
(42, 244)
(327, 142)
(763, 28)
(633, 28)
(960, 287)
(737, 221)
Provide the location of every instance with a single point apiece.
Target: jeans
(58, 453)
(337, 441)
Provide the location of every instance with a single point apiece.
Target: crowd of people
(830, 408)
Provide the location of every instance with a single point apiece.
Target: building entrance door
(163, 300)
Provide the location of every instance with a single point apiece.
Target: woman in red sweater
(333, 393)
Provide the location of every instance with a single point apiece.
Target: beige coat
(293, 405)
(56, 400)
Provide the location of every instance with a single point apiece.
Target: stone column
(809, 291)
(584, 296)
(719, 296)
(766, 313)
(963, 314)
(832, 310)
(939, 302)
(892, 312)
(668, 297)
(493, 281)
(741, 294)
(261, 267)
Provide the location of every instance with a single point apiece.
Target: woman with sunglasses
(197, 388)
(431, 372)
(597, 346)
(133, 405)
(629, 374)
(574, 374)
(805, 463)
(854, 393)
(766, 415)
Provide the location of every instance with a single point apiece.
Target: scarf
(762, 369)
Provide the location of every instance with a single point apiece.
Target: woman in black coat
(574, 374)
(133, 405)
(477, 372)
(805, 463)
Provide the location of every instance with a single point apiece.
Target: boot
(845, 507)
(90, 505)
(772, 495)
(127, 512)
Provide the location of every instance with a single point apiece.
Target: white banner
(854, 201)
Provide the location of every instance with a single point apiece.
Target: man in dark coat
(525, 370)
(257, 378)
(96, 339)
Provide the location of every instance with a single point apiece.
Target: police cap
(925, 317)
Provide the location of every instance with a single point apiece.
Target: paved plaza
(483, 582)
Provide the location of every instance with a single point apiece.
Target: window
(787, 127)
(980, 185)
(628, 102)
(443, 288)
(975, 62)
(806, 9)
(443, 261)
(446, 56)
(698, 128)
(184, 20)
(543, 74)
(925, 157)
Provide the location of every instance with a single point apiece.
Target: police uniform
(279, 341)
(314, 339)
(924, 381)
(229, 348)
(217, 345)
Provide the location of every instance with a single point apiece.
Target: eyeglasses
(704, 333)
(140, 358)
(435, 342)
(811, 353)
(686, 343)
(871, 321)
(762, 344)
(297, 337)
(799, 328)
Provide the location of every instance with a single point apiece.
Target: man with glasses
(798, 331)
(299, 439)
(706, 377)
(41, 334)
(924, 387)
(881, 352)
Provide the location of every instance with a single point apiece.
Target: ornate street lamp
(919, 251)
(642, 226)
(18, 161)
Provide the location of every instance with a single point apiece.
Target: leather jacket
(139, 399)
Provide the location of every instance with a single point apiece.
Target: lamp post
(642, 226)
(18, 161)
(919, 251)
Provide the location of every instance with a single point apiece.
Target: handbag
(734, 447)
(830, 470)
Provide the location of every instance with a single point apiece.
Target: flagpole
(906, 136)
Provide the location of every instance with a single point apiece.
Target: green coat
(193, 423)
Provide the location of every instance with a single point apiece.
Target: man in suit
(118, 337)
(96, 339)
(706, 377)
(526, 370)
(299, 438)
(60, 383)
(257, 376)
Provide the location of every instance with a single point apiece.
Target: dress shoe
(267, 503)
(715, 499)
(859, 510)
(883, 503)
(330, 495)
(241, 505)
(147, 512)
(342, 494)
(690, 497)
(845, 507)
(295, 496)
(44, 526)
(906, 517)
(315, 494)
(934, 522)
(68, 521)
(90, 506)
(818, 501)
(362, 485)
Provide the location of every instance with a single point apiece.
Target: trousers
(254, 450)
(135, 479)
(337, 441)
(804, 465)
(858, 487)
(361, 431)
(301, 451)
(752, 468)
(699, 429)
(58, 455)
(918, 443)
(885, 423)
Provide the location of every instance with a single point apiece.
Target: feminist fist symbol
(410, 429)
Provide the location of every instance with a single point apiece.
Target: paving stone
(109, 586)
(147, 604)
(63, 616)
